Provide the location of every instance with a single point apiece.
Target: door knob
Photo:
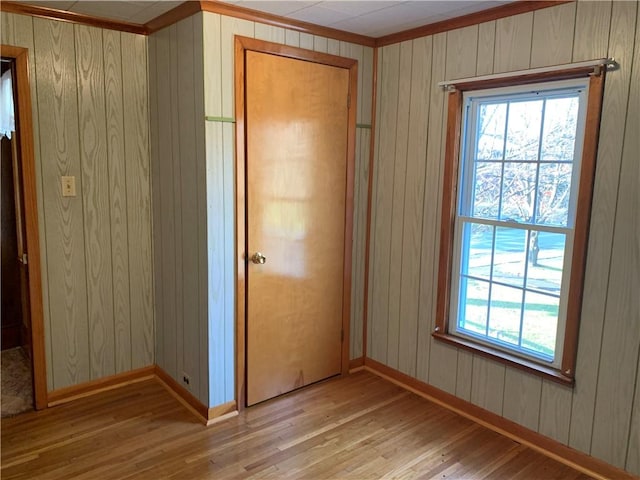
(259, 258)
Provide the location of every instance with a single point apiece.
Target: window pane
(476, 250)
(472, 311)
(486, 192)
(560, 121)
(508, 257)
(554, 191)
(546, 260)
(539, 323)
(518, 192)
(504, 315)
(523, 132)
(491, 123)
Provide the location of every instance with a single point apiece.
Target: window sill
(507, 359)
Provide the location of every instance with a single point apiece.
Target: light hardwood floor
(360, 426)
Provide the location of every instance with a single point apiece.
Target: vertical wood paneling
(292, 38)
(156, 199)
(228, 198)
(464, 375)
(212, 60)
(58, 120)
(215, 250)
(361, 181)
(513, 43)
(164, 220)
(442, 359)
(136, 128)
(186, 127)
(77, 96)
(173, 131)
(552, 42)
(374, 207)
(461, 52)
(320, 44)
(76, 80)
(114, 108)
(555, 411)
(365, 93)
(522, 398)
(486, 44)
(522, 393)
(201, 192)
(182, 211)
(381, 251)
(182, 185)
(413, 203)
(306, 41)
(229, 27)
(398, 203)
(603, 210)
(269, 33)
(487, 384)
(7, 35)
(426, 304)
(95, 199)
(591, 38)
(333, 46)
(621, 336)
(355, 346)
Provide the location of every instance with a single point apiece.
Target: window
(520, 164)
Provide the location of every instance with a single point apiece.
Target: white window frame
(464, 202)
(594, 73)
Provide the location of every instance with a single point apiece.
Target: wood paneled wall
(90, 109)
(193, 145)
(179, 203)
(601, 414)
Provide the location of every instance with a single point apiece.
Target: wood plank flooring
(359, 427)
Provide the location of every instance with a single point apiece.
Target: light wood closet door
(296, 117)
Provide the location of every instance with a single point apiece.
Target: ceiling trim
(290, 23)
(190, 8)
(72, 17)
(182, 11)
(495, 13)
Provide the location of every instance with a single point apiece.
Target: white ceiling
(125, 11)
(373, 18)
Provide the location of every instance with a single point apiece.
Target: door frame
(243, 44)
(29, 192)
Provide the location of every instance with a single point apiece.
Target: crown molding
(72, 17)
(236, 11)
(189, 8)
(495, 13)
(182, 11)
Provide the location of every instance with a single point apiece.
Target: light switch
(68, 186)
